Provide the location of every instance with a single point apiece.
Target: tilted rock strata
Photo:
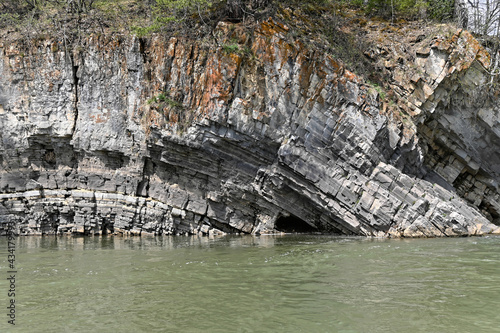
(446, 87)
(172, 137)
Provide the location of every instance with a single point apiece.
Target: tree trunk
(235, 9)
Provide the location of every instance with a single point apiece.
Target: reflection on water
(141, 243)
(255, 284)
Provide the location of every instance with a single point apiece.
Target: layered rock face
(256, 135)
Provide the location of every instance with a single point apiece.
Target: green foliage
(162, 100)
(11, 19)
(23, 6)
(358, 3)
(162, 97)
(174, 104)
(175, 14)
(441, 10)
(381, 92)
(389, 8)
(231, 48)
(181, 10)
(144, 31)
(62, 19)
(185, 6)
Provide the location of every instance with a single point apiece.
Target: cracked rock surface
(169, 136)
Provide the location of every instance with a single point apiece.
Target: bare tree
(483, 16)
(79, 6)
(462, 14)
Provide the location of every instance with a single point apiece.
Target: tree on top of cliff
(23, 6)
(439, 10)
(482, 16)
(169, 15)
(33, 15)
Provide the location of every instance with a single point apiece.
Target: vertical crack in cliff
(142, 189)
(235, 87)
(74, 69)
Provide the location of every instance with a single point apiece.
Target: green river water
(253, 284)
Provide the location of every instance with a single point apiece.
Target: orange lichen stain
(408, 133)
(271, 28)
(174, 118)
(456, 36)
(335, 65)
(213, 80)
(54, 47)
(155, 119)
(262, 50)
(171, 47)
(220, 72)
(262, 115)
(484, 57)
(236, 62)
(205, 78)
(99, 119)
(306, 70)
(350, 76)
(466, 50)
(285, 51)
(55, 74)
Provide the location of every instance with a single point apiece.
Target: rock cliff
(255, 133)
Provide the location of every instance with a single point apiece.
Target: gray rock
(239, 144)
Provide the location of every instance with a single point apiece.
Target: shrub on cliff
(145, 16)
(168, 15)
(440, 10)
(35, 16)
(24, 7)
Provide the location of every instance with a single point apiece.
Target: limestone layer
(171, 136)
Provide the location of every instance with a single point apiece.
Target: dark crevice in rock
(107, 227)
(142, 50)
(224, 227)
(75, 83)
(491, 212)
(292, 224)
(143, 185)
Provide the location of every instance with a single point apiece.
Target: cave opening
(292, 224)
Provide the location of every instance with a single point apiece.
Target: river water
(253, 284)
